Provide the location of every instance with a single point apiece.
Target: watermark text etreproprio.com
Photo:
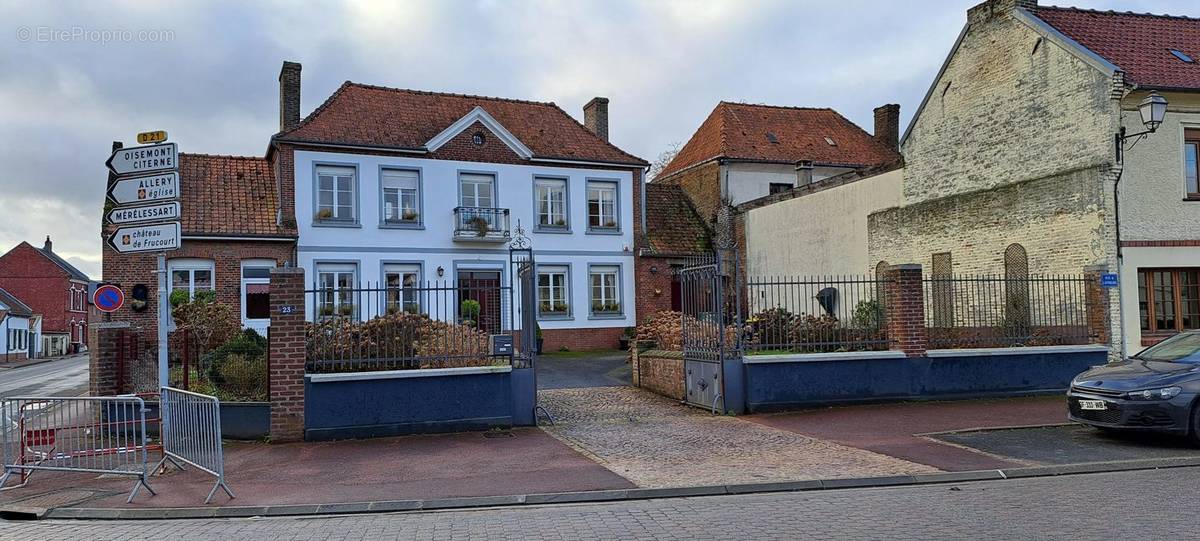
(52, 34)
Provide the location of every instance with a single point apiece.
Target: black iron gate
(710, 322)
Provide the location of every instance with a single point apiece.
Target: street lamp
(1152, 110)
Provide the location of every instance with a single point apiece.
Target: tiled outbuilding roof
(229, 196)
(673, 227)
(366, 115)
(780, 134)
(13, 305)
(1139, 44)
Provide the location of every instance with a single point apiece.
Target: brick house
(675, 235)
(52, 288)
(1011, 157)
(19, 334)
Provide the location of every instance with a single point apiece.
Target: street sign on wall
(145, 159)
(145, 238)
(156, 187)
(144, 213)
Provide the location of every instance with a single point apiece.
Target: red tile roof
(365, 115)
(673, 227)
(744, 131)
(1138, 44)
(229, 196)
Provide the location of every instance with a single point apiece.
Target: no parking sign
(108, 298)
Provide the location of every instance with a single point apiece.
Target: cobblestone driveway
(656, 442)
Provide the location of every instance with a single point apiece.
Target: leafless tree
(663, 159)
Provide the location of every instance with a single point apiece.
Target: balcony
(480, 224)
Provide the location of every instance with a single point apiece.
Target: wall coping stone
(398, 374)
(823, 357)
(1032, 350)
(661, 353)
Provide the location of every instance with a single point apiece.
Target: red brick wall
(41, 284)
(581, 339)
(654, 292)
(906, 310)
(287, 355)
(703, 185)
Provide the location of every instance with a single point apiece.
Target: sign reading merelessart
(147, 213)
(156, 187)
(147, 159)
(146, 238)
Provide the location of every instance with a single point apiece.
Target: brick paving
(1150, 504)
(656, 442)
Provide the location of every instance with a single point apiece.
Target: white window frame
(600, 271)
(336, 293)
(407, 291)
(254, 264)
(557, 293)
(338, 199)
(614, 215)
(400, 176)
(564, 210)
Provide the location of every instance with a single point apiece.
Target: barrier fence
(191, 434)
(100, 435)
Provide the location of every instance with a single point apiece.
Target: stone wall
(703, 185)
(660, 372)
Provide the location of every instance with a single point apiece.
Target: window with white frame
(401, 196)
(402, 283)
(602, 205)
(190, 276)
(553, 290)
(606, 291)
(76, 297)
(336, 200)
(336, 289)
(256, 289)
(550, 194)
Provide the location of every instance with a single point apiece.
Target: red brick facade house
(675, 236)
(54, 289)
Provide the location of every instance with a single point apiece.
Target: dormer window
(1182, 56)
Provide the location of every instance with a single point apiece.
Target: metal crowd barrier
(100, 435)
(191, 434)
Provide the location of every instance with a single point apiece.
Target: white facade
(743, 182)
(356, 239)
(16, 336)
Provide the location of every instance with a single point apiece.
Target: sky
(77, 75)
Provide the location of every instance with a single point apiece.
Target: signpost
(145, 191)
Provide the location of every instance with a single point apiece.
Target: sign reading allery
(156, 187)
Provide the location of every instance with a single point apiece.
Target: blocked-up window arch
(881, 288)
(1016, 290)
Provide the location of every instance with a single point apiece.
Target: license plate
(1092, 405)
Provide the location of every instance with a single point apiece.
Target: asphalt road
(1072, 444)
(62, 377)
(579, 370)
(1127, 505)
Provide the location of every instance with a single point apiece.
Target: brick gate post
(905, 309)
(286, 355)
(1096, 300)
(103, 359)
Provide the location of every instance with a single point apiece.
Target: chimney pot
(49, 245)
(289, 96)
(887, 125)
(595, 116)
(804, 172)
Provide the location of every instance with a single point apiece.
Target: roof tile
(229, 196)
(673, 227)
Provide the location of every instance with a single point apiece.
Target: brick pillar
(1096, 300)
(286, 356)
(103, 358)
(906, 309)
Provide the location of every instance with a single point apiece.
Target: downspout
(642, 196)
(1117, 223)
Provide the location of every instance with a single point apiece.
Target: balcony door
(477, 191)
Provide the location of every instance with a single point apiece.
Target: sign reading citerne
(145, 159)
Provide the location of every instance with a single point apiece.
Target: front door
(483, 287)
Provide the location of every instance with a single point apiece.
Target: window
(191, 275)
(1182, 56)
(401, 283)
(476, 190)
(336, 296)
(602, 205)
(401, 196)
(606, 292)
(335, 194)
(550, 202)
(1191, 162)
(256, 289)
(553, 291)
(1169, 299)
(76, 298)
(779, 187)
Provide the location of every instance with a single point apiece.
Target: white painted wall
(371, 246)
(12, 322)
(1133, 259)
(821, 233)
(1152, 185)
(749, 181)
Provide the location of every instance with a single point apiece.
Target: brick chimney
(595, 116)
(289, 96)
(887, 125)
(49, 245)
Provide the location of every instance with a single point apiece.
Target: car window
(1183, 348)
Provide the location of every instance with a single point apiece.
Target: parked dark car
(1153, 390)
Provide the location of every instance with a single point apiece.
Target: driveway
(576, 370)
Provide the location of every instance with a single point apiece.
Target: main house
(390, 189)
(52, 288)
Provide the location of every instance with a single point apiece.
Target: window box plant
(324, 214)
(481, 226)
(606, 307)
(409, 215)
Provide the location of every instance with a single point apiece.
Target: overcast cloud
(207, 72)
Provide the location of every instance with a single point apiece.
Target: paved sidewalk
(895, 429)
(656, 442)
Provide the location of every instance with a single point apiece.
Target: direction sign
(146, 238)
(147, 159)
(145, 213)
(147, 137)
(108, 298)
(158, 187)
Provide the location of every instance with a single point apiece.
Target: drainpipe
(1117, 223)
(642, 191)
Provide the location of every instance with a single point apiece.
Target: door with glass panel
(256, 295)
(477, 198)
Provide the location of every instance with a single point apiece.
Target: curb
(27, 513)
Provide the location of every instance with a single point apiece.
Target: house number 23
(287, 309)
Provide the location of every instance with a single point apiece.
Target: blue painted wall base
(775, 386)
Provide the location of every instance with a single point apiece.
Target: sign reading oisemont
(145, 174)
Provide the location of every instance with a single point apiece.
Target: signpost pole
(163, 320)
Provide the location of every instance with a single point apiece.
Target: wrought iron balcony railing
(480, 224)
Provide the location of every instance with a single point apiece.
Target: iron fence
(998, 311)
(815, 314)
(409, 325)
